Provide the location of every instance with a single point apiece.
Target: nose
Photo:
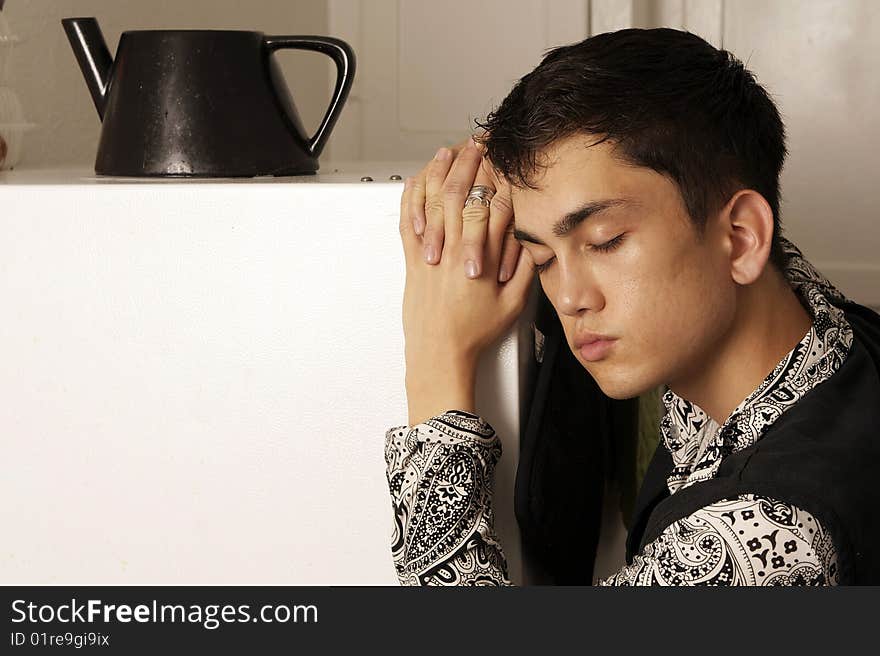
(577, 291)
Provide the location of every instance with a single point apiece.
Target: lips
(593, 346)
(588, 338)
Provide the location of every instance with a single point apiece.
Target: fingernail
(503, 275)
(470, 268)
(418, 226)
(442, 154)
(430, 253)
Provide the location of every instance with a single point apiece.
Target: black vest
(822, 455)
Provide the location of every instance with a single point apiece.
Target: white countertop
(330, 172)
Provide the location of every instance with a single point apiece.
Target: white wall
(820, 61)
(426, 69)
(54, 95)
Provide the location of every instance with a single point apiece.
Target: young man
(642, 168)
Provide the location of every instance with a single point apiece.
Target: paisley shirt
(440, 474)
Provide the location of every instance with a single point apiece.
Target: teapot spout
(92, 55)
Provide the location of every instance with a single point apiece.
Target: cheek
(669, 312)
(673, 310)
(687, 309)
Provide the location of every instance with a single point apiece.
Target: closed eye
(607, 247)
(541, 268)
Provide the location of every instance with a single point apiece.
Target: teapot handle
(343, 55)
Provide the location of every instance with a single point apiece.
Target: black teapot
(202, 103)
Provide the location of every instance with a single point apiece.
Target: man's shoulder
(849, 399)
(865, 324)
(842, 409)
(832, 428)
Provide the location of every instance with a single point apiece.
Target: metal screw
(366, 178)
(395, 177)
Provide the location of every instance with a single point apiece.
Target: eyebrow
(573, 219)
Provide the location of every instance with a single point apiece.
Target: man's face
(665, 295)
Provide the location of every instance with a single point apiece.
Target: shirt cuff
(454, 417)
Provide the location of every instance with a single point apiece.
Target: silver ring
(479, 194)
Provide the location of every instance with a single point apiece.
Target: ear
(749, 223)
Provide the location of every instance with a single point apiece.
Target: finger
(416, 208)
(407, 236)
(475, 224)
(434, 235)
(509, 255)
(458, 183)
(516, 290)
(420, 192)
(500, 223)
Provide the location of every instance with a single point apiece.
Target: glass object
(12, 122)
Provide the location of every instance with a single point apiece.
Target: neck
(769, 321)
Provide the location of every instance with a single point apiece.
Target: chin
(621, 381)
(622, 387)
(620, 393)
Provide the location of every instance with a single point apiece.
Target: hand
(448, 319)
(426, 210)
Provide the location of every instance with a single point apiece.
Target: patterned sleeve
(747, 540)
(440, 474)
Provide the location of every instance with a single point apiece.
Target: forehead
(576, 170)
(576, 161)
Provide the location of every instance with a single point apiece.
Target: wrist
(430, 391)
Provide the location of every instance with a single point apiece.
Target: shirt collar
(698, 444)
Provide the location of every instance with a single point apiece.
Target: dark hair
(667, 100)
